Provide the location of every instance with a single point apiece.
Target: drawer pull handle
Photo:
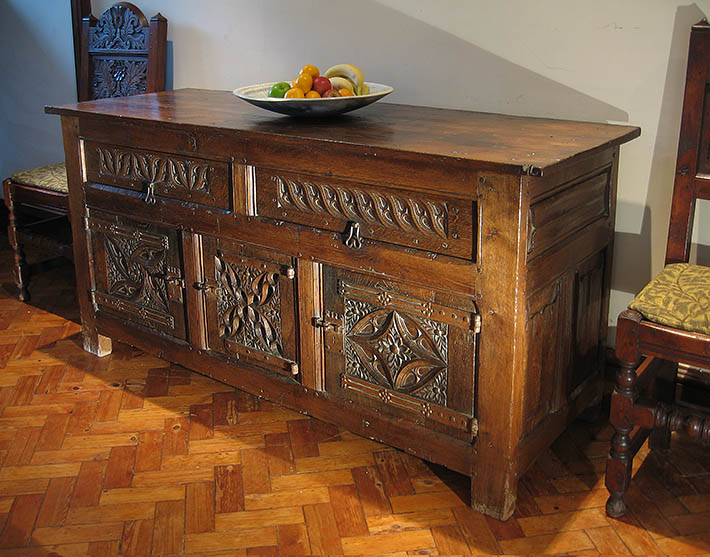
(150, 194)
(351, 236)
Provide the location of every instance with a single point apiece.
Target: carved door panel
(250, 301)
(407, 350)
(138, 273)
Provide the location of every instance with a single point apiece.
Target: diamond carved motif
(396, 350)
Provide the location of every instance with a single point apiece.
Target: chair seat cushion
(51, 177)
(678, 297)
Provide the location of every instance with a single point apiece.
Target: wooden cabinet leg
(495, 491)
(97, 344)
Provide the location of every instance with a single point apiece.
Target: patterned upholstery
(678, 297)
(51, 177)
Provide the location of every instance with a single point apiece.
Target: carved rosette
(249, 306)
(388, 210)
(396, 350)
(136, 271)
(146, 167)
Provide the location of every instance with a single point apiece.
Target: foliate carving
(118, 28)
(378, 209)
(118, 78)
(146, 167)
(249, 306)
(396, 350)
(136, 269)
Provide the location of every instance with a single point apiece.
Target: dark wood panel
(250, 299)
(589, 325)
(571, 208)
(408, 352)
(192, 179)
(138, 272)
(546, 321)
(438, 224)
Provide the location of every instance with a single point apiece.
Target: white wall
(607, 61)
(36, 68)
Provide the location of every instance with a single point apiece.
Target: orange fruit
(304, 82)
(313, 71)
(294, 93)
(313, 95)
(345, 92)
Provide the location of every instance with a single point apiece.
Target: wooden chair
(122, 54)
(669, 321)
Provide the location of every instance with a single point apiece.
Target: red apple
(321, 84)
(330, 93)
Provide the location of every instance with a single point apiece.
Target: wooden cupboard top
(506, 143)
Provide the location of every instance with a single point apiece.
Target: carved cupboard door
(406, 350)
(138, 273)
(250, 301)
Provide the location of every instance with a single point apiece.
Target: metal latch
(351, 235)
(326, 324)
(150, 194)
(204, 286)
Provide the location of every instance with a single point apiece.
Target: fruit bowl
(258, 96)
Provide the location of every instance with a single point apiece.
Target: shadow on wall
(633, 253)
(449, 72)
(35, 73)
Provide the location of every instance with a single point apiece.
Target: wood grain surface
(506, 141)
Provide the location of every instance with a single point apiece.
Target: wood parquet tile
(132, 455)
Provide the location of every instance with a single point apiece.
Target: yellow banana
(338, 83)
(350, 72)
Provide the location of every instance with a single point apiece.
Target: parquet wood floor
(132, 455)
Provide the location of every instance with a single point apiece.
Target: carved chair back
(692, 179)
(122, 53)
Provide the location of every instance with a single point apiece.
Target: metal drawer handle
(351, 236)
(150, 194)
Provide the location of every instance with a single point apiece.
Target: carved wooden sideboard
(434, 279)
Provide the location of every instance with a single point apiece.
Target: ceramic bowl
(258, 95)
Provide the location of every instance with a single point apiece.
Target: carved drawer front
(159, 175)
(406, 218)
(250, 298)
(138, 273)
(403, 350)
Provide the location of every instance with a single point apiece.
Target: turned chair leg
(618, 465)
(20, 269)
